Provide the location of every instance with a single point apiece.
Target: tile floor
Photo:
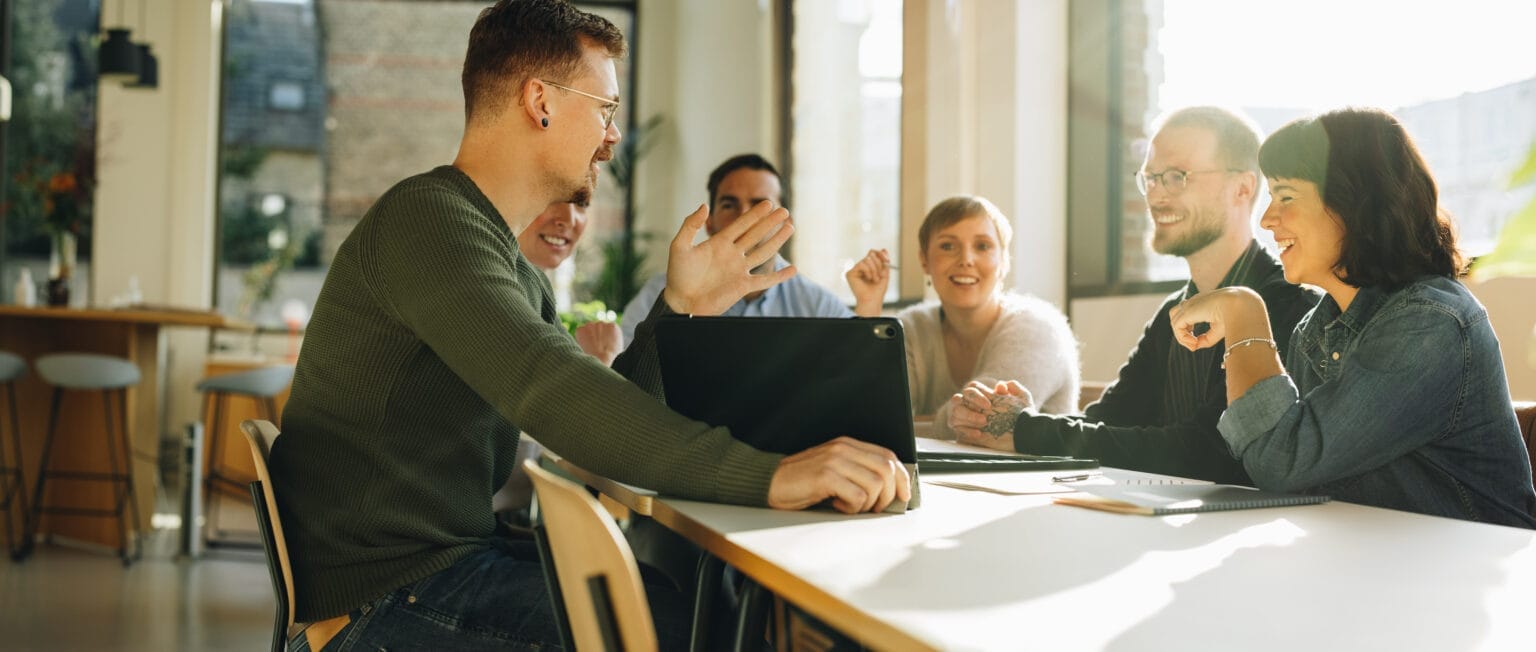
(81, 598)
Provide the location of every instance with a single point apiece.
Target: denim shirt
(1399, 402)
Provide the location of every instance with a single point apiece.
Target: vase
(61, 267)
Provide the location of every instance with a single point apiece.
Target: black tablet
(784, 384)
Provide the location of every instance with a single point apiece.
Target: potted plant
(1514, 253)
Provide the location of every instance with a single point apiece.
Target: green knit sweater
(432, 343)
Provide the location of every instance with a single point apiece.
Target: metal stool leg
(34, 519)
(211, 483)
(211, 438)
(113, 475)
(129, 494)
(15, 483)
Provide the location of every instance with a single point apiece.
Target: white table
(975, 570)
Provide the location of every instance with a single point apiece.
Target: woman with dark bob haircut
(1393, 393)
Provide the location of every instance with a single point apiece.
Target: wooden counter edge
(162, 317)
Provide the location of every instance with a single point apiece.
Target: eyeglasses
(1172, 180)
(610, 107)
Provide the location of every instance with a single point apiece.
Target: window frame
(1097, 155)
(628, 121)
(908, 284)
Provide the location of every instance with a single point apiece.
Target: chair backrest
(1525, 413)
(261, 435)
(1088, 392)
(599, 581)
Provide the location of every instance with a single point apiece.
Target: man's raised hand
(708, 277)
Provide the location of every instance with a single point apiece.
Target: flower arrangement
(65, 203)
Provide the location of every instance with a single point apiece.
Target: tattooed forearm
(1001, 416)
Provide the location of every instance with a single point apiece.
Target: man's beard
(1202, 231)
(582, 195)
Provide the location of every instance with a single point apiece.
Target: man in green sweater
(434, 341)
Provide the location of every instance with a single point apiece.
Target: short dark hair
(738, 162)
(517, 40)
(1368, 172)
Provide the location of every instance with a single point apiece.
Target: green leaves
(619, 279)
(583, 313)
(1515, 252)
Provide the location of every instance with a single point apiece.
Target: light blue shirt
(796, 297)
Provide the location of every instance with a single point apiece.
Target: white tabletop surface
(978, 570)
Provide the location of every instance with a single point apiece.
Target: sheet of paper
(925, 445)
(1016, 484)
(1047, 482)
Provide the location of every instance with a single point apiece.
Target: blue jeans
(494, 599)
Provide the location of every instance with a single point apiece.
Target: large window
(49, 144)
(845, 142)
(325, 106)
(273, 135)
(1461, 77)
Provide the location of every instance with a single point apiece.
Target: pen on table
(1073, 478)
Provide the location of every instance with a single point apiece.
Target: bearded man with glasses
(1201, 180)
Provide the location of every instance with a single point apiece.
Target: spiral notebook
(1161, 500)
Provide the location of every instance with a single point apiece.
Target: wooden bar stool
(112, 377)
(12, 487)
(260, 385)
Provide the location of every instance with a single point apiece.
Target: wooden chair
(261, 435)
(598, 581)
(1525, 413)
(1090, 391)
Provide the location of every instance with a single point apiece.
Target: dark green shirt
(432, 343)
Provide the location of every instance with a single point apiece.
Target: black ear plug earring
(545, 122)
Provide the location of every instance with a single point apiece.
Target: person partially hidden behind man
(434, 341)
(1201, 179)
(739, 183)
(547, 242)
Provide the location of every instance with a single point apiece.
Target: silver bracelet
(1245, 342)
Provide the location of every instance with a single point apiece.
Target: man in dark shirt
(1201, 181)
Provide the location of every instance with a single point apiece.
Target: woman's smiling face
(1311, 237)
(966, 261)
(552, 236)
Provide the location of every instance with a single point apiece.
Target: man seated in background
(739, 183)
(1201, 179)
